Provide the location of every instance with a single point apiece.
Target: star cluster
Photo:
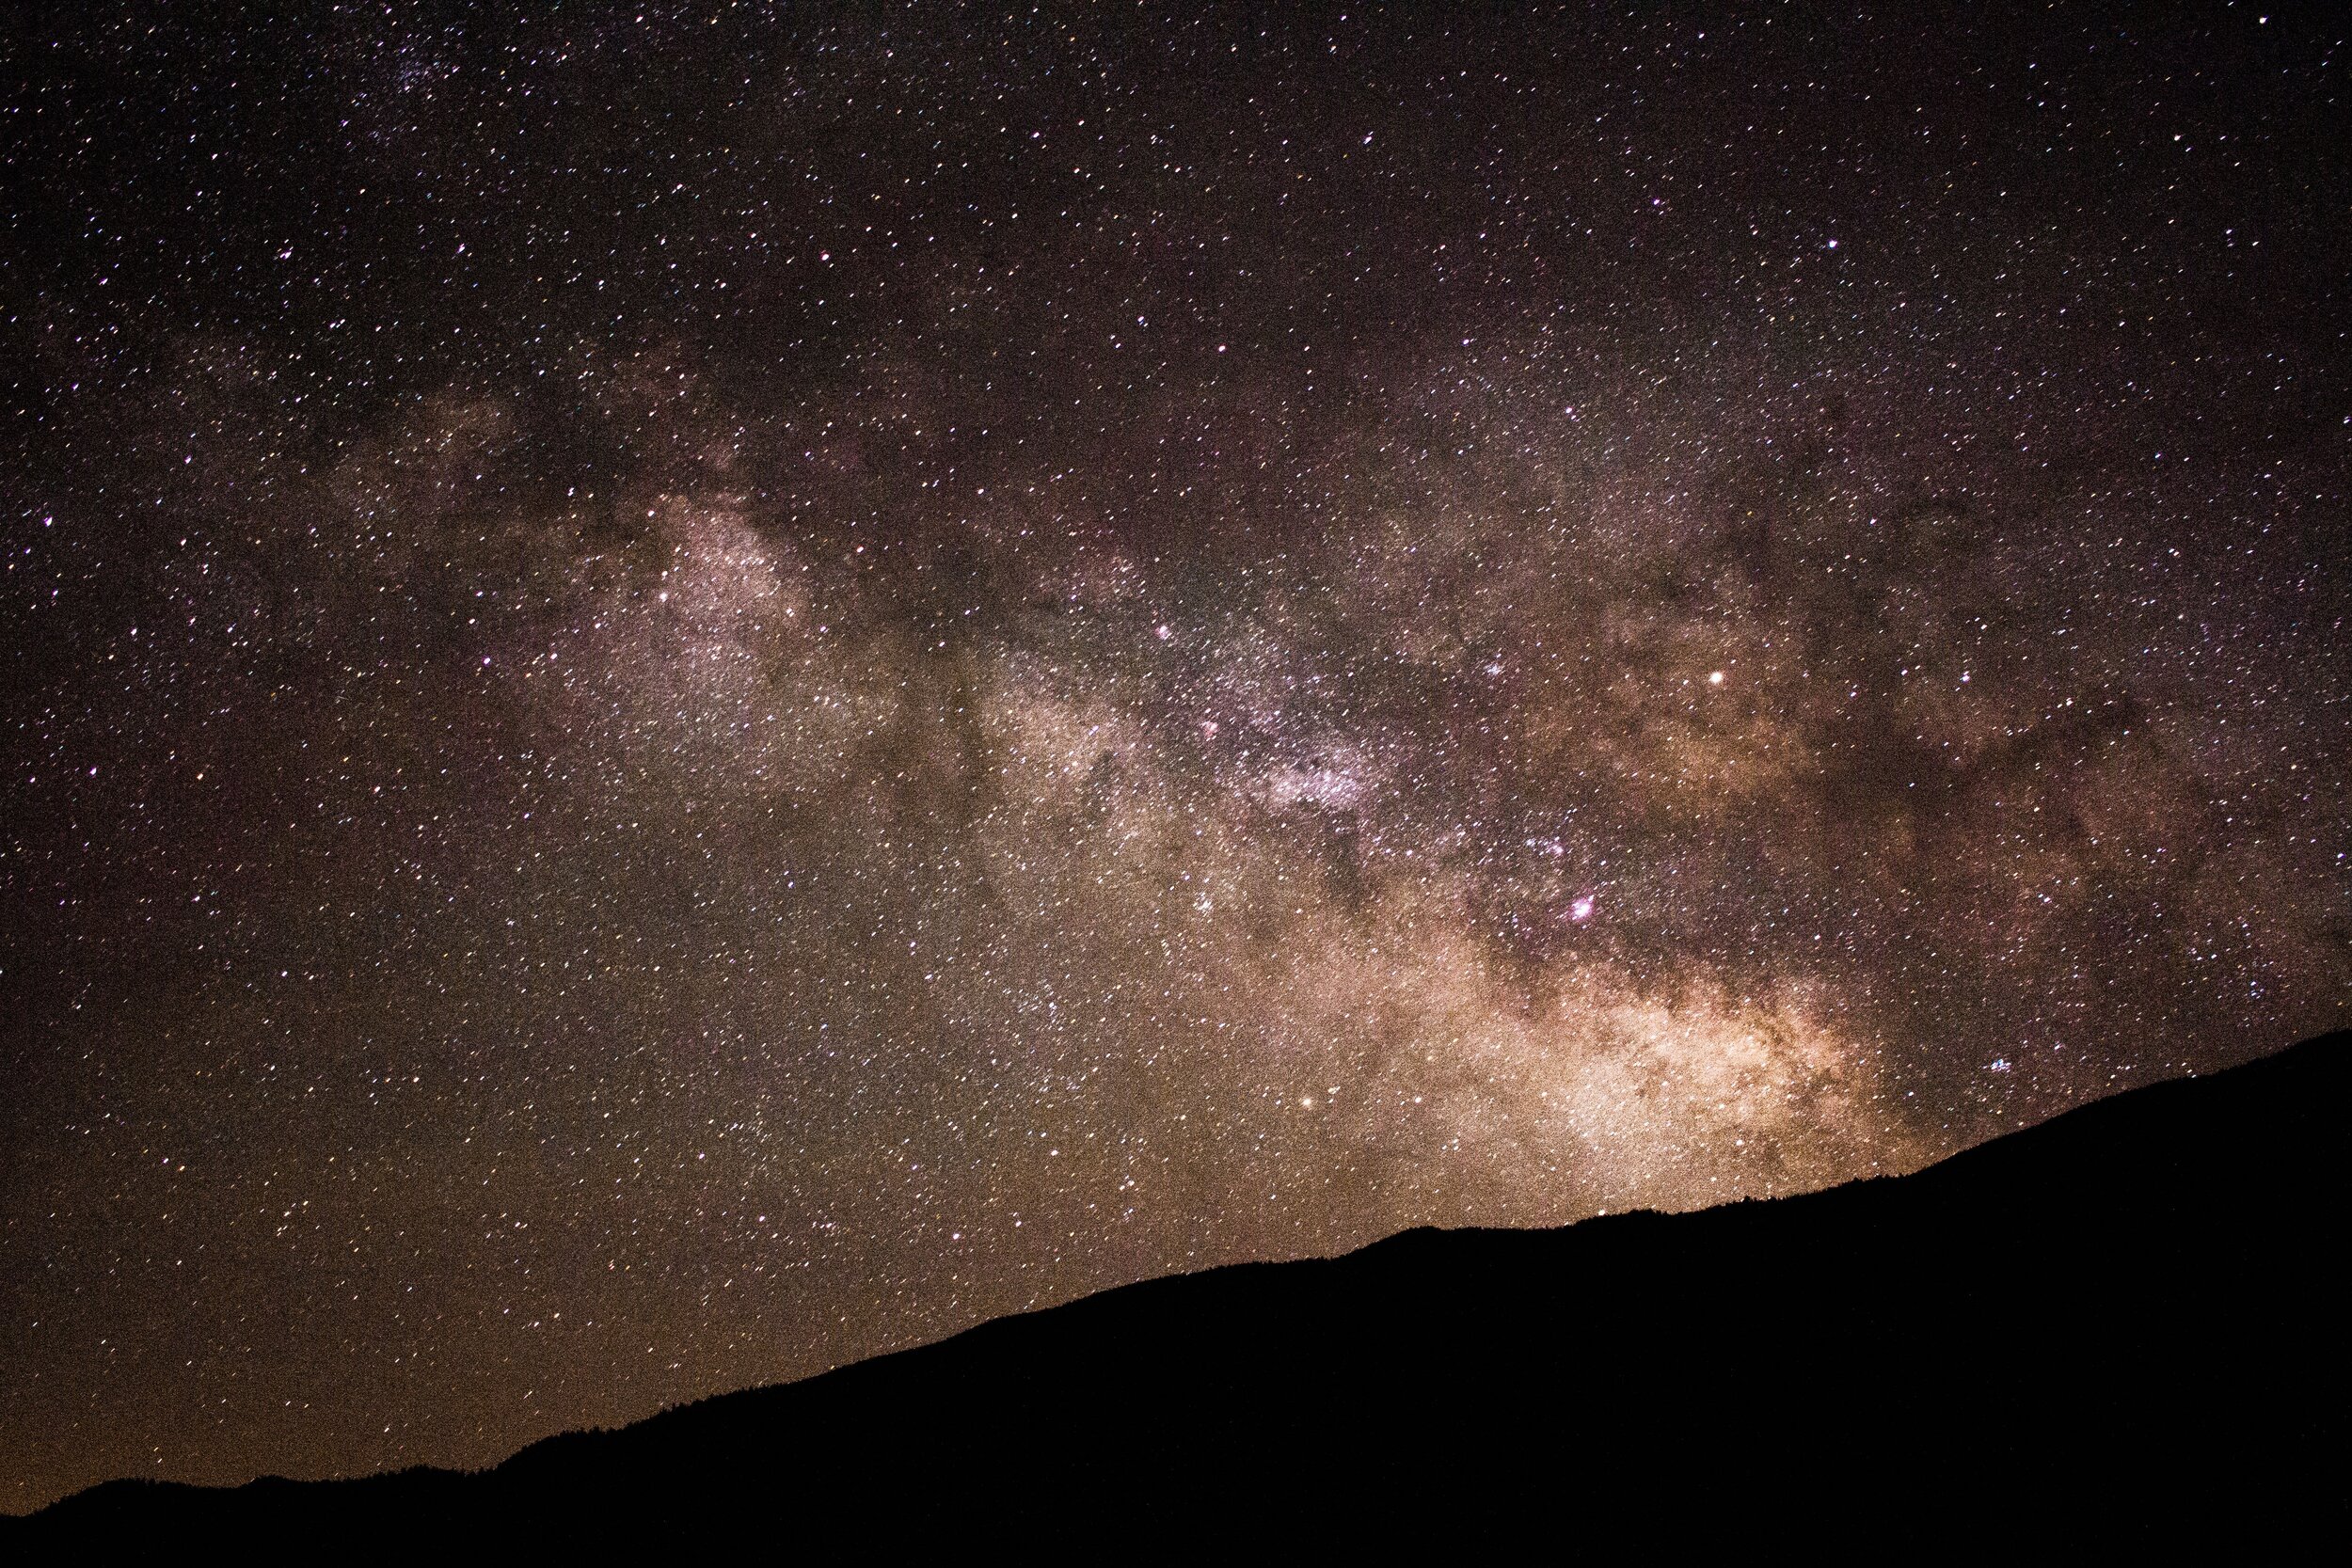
(695, 690)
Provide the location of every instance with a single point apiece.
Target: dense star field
(691, 691)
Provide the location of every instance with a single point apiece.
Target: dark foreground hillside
(2126, 1321)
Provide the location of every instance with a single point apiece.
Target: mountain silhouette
(2124, 1325)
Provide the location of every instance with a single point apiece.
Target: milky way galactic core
(695, 690)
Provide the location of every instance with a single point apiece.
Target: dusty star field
(687, 695)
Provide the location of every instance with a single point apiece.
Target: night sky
(691, 691)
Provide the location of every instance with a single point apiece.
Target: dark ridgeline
(2125, 1323)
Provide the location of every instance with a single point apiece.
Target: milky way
(693, 695)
